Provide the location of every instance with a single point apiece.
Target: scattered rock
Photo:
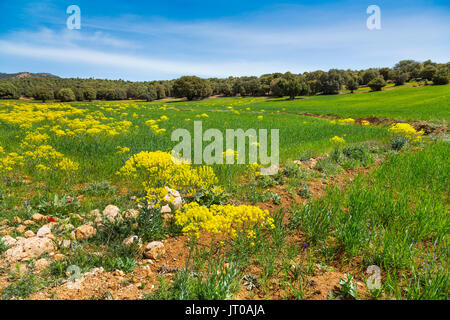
(59, 256)
(119, 273)
(111, 212)
(154, 250)
(94, 212)
(4, 223)
(26, 249)
(44, 231)
(173, 198)
(85, 232)
(9, 241)
(131, 213)
(21, 228)
(29, 234)
(132, 240)
(38, 217)
(41, 264)
(166, 209)
(28, 222)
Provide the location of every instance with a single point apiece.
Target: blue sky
(149, 40)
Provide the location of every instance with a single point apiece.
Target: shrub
(377, 84)
(226, 219)
(399, 142)
(157, 170)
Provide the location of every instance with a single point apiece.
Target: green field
(420, 103)
(374, 199)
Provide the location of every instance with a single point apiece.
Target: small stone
(21, 228)
(29, 234)
(85, 232)
(44, 231)
(166, 209)
(154, 250)
(41, 264)
(131, 213)
(4, 223)
(119, 273)
(28, 222)
(38, 217)
(59, 256)
(132, 240)
(94, 212)
(111, 212)
(9, 241)
(173, 198)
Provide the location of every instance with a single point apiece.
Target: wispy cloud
(136, 63)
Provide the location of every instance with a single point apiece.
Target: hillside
(26, 75)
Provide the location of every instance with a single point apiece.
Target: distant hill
(26, 75)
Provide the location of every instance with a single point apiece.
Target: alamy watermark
(74, 20)
(374, 20)
(235, 153)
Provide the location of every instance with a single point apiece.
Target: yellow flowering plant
(157, 170)
(226, 220)
(406, 130)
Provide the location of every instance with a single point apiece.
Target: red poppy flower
(51, 219)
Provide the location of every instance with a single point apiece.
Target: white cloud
(72, 55)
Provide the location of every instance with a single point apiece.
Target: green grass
(404, 103)
(395, 218)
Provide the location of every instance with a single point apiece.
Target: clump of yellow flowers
(347, 121)
(158, 170)
(223, 219)
(406, 130)
(337, 140)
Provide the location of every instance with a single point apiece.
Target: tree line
(192, 87)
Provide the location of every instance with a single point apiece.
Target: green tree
(352, 85)
(191, 87)
(410, 67)
(90, 94)
(8, 91)
(151, 93)
(399, 77)
(160, 91)
(66, 94)
(441, 77)
(44, 94)
(275, 87)
(369, 75)
(293, 87)
(428, 72)
(377, 84)
(331, 82)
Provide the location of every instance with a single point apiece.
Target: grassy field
(410, 103)
(368, 198)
